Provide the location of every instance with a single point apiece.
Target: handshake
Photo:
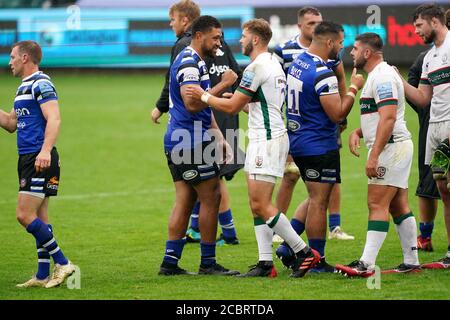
(229, 77)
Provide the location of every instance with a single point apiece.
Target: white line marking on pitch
(100, 195)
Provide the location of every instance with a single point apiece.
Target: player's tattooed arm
(8, 121)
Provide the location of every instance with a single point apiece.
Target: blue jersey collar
(32, 75)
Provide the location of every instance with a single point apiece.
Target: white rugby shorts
(394, 165)
(267, 157)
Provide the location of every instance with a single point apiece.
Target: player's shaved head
(186, 8)
(31, 48)
(327, 40)
(327, 29)
(372, 40)
(204, 24)
(260, 28)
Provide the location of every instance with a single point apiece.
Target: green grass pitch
(110, 217)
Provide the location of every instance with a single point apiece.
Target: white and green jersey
(264, 80)
(436, 72)
(383, 87)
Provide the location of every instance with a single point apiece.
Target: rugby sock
(43, 260)
(448, 251)
(426, 229)
(208, 252)
(318, 245)
(334, 220)
(264, 237)
(194, 216)
(227, 224)
(376, 233)
(174, 249)
(44, 236)
(298, 226)
(280, 224)
(407, 231)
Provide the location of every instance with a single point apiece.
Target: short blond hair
(260, 28)
(186, 8)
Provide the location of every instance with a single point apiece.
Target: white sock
(281, 225)
(264, 237)
(407, 231)
(374, 241)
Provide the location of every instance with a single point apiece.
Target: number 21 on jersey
(294, 88)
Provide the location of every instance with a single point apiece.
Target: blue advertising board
(75, 37)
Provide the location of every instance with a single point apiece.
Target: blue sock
(284, 250)
(227, 224)
(208, 252)
(298, 226)
(44, 236)
(334, 220)
(318, 245)
(194, 216)
(43, 260)
(426, 229)
(174, 249)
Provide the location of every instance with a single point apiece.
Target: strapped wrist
(351, 94)
(205, 97)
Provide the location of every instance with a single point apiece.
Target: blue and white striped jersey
(310, 130)
(288, 51)
(31, 94)
(187, 68)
